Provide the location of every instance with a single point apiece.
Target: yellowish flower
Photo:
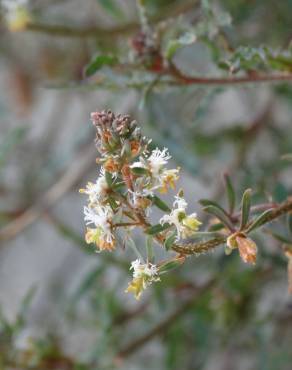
(143, 276)
(192, 222)
(136, 286)
(96, 237)
(168, 179)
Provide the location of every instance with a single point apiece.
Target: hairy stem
(188, 247)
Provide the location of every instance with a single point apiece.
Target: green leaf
(208, 202)
(156, 229)
(170, 265)
(261, 219)
(230, 193)
(98, 62)
(217, 212)
(173, 45)
(160, 203)
(170, 241)
(24, 307)
(149, 248)
(245, 208)
(279, 237)
(112, 8)
(140, 171)
(87, 283)
(216, 227)
(108, 178)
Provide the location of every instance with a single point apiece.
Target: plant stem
(189, 247)
(229, 80)
(101, 33)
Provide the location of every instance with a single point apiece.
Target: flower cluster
(130, 180)
(16, 14)
(143, 276)
(132, 177)
(186, 225)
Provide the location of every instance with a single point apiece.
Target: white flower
(185, 224)
(158, 177)
(101, 217)
(157, 160)
(98, 190)
(140, 269)
(143, 276)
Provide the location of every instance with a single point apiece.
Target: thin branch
(229, 80)
(99, 32)
(163, 325)
(188, 247)
(72, 175)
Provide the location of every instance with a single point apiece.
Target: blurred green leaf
(98, 62)
(112, 8)
(170, 265)
(87, 283)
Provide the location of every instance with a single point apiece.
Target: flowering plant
(131, 177)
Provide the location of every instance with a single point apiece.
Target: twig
(163, 325)
(189, 247)
(229, 80)
(72, 175)
(101, 33)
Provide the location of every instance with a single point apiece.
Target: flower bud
(247, 249)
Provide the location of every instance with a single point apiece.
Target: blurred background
(62, 305)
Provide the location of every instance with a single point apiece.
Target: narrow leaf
(170, 241)
(279, 237)
(140, 171)
(160, 204)
(170, 265)
(108, 178)
(149, 248)
(259, 220)
(245, 208)
(98, 62)
(208, 202)
(156, 229)
(230, 193)
(219, 215)
(112, 8)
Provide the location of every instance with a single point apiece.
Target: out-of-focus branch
(162, 327)
(99, 32)
(229, 80)
(72, 175)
